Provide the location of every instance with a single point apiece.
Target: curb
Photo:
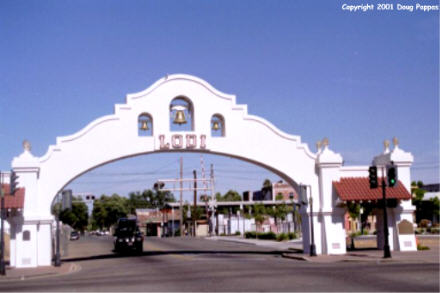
(72, 269)
(297, 257)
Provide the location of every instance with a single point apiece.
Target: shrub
(223, 234)
(355, 234)
(267, 236)
(435, 230)
(421, 247)
(250, 234)
(282, 237)
(292, 235)
(237, 233)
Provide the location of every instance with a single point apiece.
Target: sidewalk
(39, 272)
(368, 255)
(375, 256)
(283, 245)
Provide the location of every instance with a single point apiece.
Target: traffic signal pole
(392, 179)
(386, 247)
(57, 253)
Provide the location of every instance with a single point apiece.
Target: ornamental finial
(395, 141)
(27, 145)
(318, 145)
(386, 144)
(325, 142)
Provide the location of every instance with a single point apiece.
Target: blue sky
(307, 66)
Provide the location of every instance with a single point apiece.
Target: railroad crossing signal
(372, 171)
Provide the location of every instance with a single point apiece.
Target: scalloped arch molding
(115, 137)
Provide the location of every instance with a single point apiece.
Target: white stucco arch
(247, 137)
(115, 137)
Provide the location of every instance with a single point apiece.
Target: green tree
(148, 199)
(267, 186)
(436, 205)
(279, 196)
(137, 200)
(259, 212)
(231, 195)
(158, 199)
(108, 209)
(77, 217)
(353, 210)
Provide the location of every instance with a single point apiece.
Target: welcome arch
(117, 136)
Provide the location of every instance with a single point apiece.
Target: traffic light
(303, 194)
(158, 185)
(13, 183)
(372, 171)
(66, 201)
(391, 175)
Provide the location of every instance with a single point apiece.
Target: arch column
(31, 230)
(404, 210)
(329, 216)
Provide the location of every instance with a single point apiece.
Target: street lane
(205, 265)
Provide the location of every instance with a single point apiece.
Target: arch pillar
(328, 218)
(404, 210)
(31, 229)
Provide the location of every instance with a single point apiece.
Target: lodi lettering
(178, 141)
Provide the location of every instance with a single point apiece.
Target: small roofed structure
(13, 201)
(358, 189)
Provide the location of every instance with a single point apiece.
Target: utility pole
(205, 196)
(181, 197)
(195, 202)
(213, 202)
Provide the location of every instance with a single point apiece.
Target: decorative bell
(144, 125)
(215, 125)
(180, 117)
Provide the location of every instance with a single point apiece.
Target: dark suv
(127, 236)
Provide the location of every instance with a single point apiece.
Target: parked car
(128, 236)
(74, 235)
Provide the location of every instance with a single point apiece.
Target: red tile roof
(356, 189)
(13, 201)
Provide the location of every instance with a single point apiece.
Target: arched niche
(145, 124)
(181, 114)
(218, 126)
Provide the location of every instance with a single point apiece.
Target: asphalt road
(206, 265)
